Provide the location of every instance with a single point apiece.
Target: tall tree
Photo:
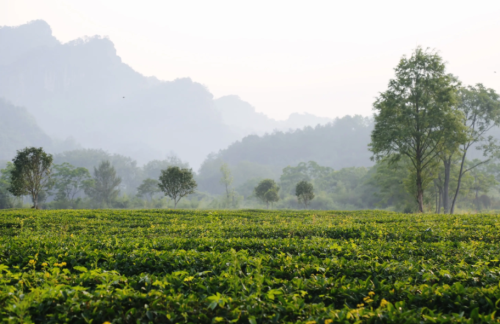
(177, 183)
(31, 173)
(267, 191)
(481, 112)
(413, 114)
(226, 180)
(304, 192)
(103, 188)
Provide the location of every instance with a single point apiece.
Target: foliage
(126, 168)
(339, 144)
(152, 169)
(103, 188)
(31, 173)
(70, 181)
(481, 111)
(304, 192)
(414, 115)
(482, 182)
(250, 266)
(389, 179)
(5, 199)
(267, 191)
(148, 188)
(177, 183)
(302, 172)
(208, 177)
(227, 181)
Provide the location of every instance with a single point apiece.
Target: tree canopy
(104, 187)
(267, 191)
(304, 192)
(31, 173)
(177, 183)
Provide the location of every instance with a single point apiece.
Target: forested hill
(342, 143)
(18, 130)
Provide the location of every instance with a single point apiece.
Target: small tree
(304, 192)
(31, 173)
(103, 187)
(267, 191)
(227, 181)
(177, 183)
(148, 188)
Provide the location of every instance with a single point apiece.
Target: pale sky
(328, 58)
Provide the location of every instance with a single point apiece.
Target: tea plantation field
(252, 266)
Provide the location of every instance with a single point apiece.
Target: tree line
(305, 185)
(33, 174)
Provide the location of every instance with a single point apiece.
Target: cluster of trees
(32, 173)
(268, 192)
(427, 122)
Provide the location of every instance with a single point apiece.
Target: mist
(82, 103)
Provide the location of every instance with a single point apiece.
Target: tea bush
(249, 266)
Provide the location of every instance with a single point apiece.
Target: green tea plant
(247, 266)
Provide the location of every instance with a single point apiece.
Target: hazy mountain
(18, 130)
(23, 39)
(82, 89)
(243, 119)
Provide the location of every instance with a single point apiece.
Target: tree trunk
(478, 206)
(34, 197)
(420, 192)
(440, 200)
(460, 174)
(437, 198)
(446, 184)
(175, 203)
(420, 200)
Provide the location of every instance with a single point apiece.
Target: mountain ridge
(82, 89)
